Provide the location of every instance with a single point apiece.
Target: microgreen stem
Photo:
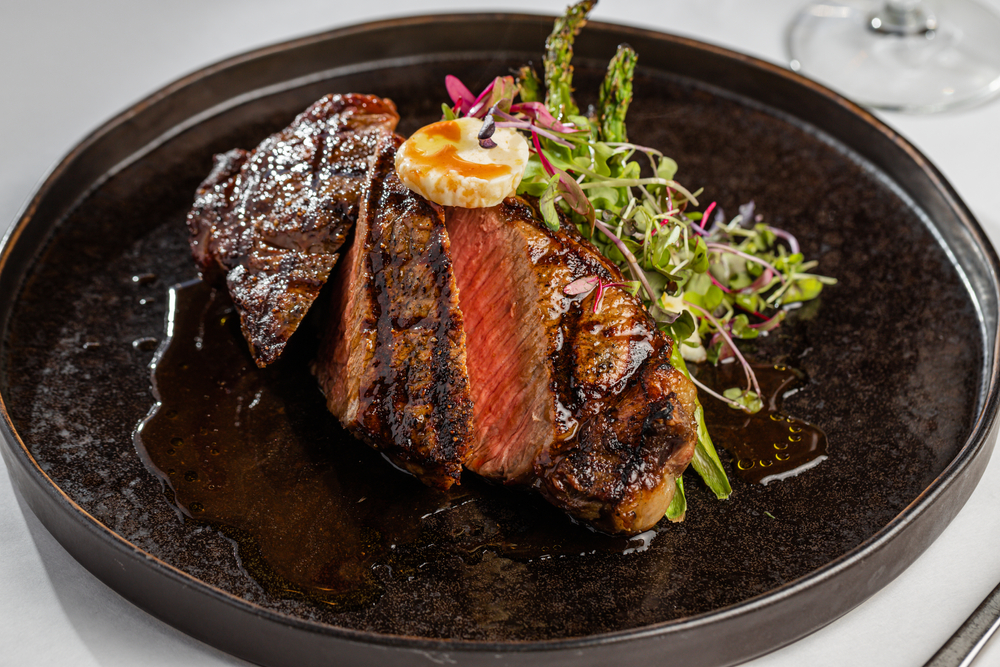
(549, 169)
(531, 127)
(718, 284)
(793, 243)
(751, 376)
(717, 395)
(706, 214)
(633, 265)
(721, 247)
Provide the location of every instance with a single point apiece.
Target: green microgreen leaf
(678, 504)
(547, 204)
(706, 460)
(667, 169)
(748, 400)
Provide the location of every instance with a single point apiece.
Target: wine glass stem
(903, 17)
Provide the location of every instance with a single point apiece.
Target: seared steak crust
(273, 219)
(583, 404)
(393, 362)
(620, 474)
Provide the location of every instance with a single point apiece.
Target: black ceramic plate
(900, 358)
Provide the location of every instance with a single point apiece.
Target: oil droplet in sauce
(314, 513)
(147, 344)
(769, 445)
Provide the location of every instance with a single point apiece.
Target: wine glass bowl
(900, 55)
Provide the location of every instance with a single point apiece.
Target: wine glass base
(953, 62)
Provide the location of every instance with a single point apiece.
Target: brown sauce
(315, 513)
(769, 445)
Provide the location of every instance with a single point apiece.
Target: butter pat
(444, 163)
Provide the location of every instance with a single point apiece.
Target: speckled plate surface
(904, 387)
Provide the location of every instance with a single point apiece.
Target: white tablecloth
(67, 66)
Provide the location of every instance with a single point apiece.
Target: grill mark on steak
(273, 219)
(584, 405)
(392, 362)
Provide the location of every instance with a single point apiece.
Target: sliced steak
(272, 220)
(582, 404)
(392, 362)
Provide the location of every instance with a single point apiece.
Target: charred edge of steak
(274, 219)
(620, 473)
(212, 201)
(413, 400)
(272, 292)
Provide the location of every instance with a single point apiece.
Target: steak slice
(582, 404)
(273, 219)
(392, 361)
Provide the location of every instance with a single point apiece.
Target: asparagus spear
(528, 84)
(559, 53)
(616, 94)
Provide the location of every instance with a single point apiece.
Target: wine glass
(900, 55)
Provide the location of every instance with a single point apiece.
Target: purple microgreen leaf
(504, 91)
(500, 93)
(769, 324)
(764, 279)
(574, 196)
(479, 107)
(793, 243)
(746, 212)
(486, 132)
(583, 285)
(460, 95)
(542, 116)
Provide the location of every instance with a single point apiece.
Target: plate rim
(24, 469)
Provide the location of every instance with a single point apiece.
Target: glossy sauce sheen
(315, 513)
(767, 445)
(437, 147)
